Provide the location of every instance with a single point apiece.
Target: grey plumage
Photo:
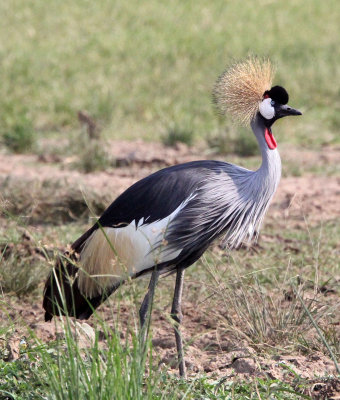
(230, 202)
(166, 221)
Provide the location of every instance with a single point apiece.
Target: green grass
(21, 382)
(138, 68)
(234, 140)
(245, 291)
(92, 156)
(67, 370)
(19, 137)
(48, 373)
(177, 134)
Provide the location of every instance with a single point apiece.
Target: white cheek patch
(266, 109)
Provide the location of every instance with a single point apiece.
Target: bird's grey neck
(271, 161)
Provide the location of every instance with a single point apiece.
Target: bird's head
(274, 105)
(245, 92)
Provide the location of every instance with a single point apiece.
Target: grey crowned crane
(166, 221)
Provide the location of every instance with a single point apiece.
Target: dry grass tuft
(22, 265)
(266, 317)
(240, 88)
(48, 201)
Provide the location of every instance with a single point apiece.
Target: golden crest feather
(239, 90)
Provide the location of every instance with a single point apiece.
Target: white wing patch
(110, 255)
(266, 109)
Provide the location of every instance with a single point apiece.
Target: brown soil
(315, 198)
(210, 349)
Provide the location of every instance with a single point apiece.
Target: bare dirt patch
(312, 199)
(316, 198)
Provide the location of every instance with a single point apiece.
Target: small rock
(244, 366)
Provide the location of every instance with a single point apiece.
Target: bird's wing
(153, 198)
(156, 196)
(133, 217)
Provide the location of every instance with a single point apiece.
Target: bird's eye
(272, 103)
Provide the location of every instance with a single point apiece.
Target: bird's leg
(146, 305)
(176, 314)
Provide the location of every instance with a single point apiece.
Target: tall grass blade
(324, 341)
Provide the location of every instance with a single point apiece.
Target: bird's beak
(286, 110)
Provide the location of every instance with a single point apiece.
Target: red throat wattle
(271, 142)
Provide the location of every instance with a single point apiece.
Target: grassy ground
(248, 299)
(146, 71)
(142, 69)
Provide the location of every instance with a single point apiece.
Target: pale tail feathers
(99, 265)
(111, 255)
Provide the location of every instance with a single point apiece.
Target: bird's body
(171, 215)
(165, 222)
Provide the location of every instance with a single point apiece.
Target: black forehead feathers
(278, 94)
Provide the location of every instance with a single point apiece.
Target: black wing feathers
(158, 195)
(152, 198)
